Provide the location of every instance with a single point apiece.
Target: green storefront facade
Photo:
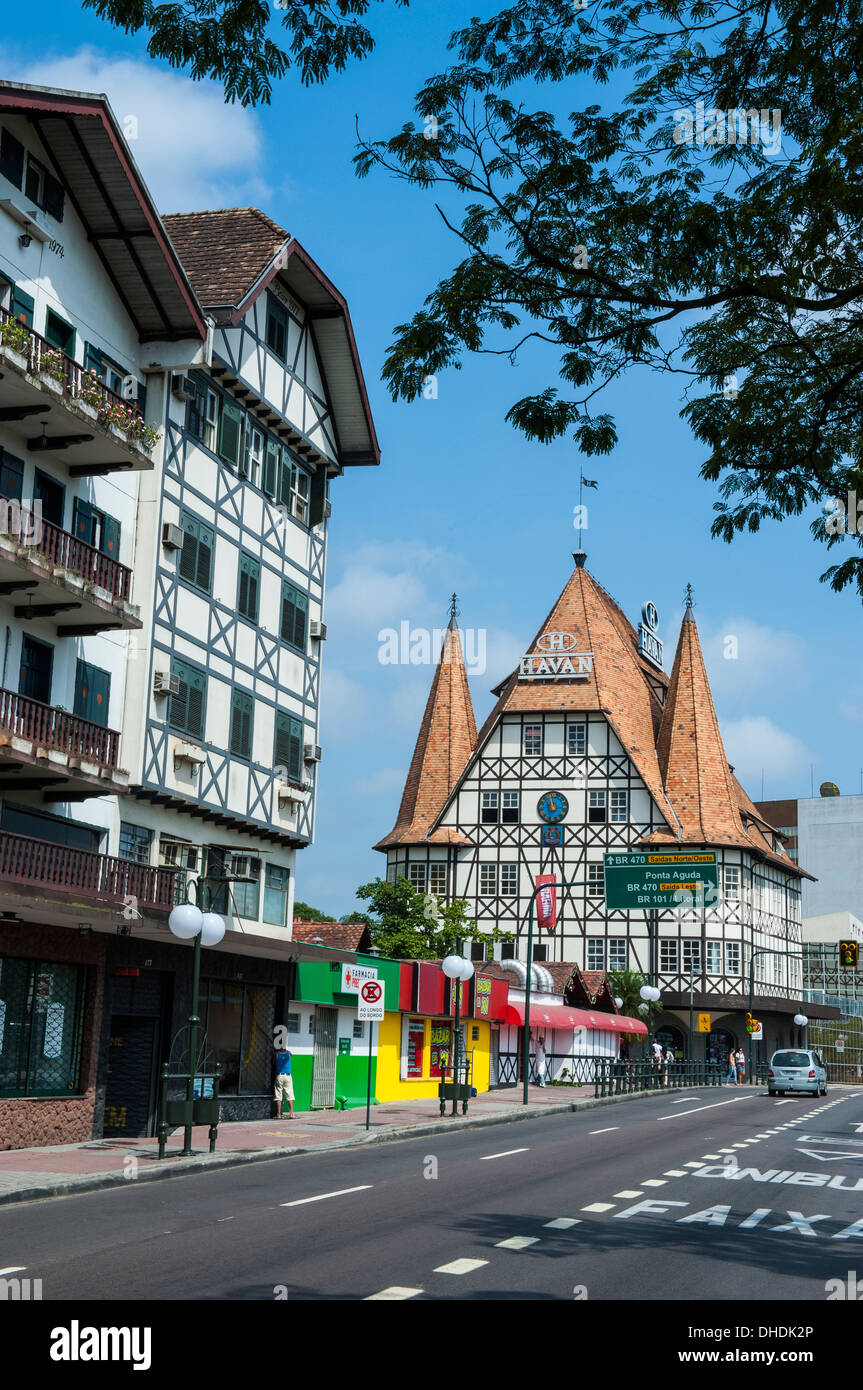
(329, 1046)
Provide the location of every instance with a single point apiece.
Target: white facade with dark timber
(583, 757)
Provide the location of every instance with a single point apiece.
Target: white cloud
(755, 744)
(742, 656)
(193, 150)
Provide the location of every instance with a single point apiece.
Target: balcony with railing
(58, 576)
(46, 749)
(57, 407)
(82, 876)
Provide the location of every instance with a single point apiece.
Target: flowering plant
(14, 334)
(52, 362)
(89, 389)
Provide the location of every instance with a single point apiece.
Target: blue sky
(461, 502)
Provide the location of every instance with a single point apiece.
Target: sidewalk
(30, 1174)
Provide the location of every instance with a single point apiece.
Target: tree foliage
(228, 40)
(304, 913)
(640, 233)
(408, 925)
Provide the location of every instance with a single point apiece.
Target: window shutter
(22, 306)
(318, 496)
(92, 359)
(285, 479)
(289, 745)
(111, 537)
(271, 468)
(295, 606)
(231, 433)
(247, 601)
(241, 724)
(205, 558)
(54, 197)
(11, 158)
(84, 521)
(11, 476)
(189, 553)
(187, 708)
(301, 606)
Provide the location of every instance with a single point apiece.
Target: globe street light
(459, 970)
(802, 1022)
(650, 995)
(188, 922)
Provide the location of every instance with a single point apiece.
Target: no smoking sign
(370, 1004)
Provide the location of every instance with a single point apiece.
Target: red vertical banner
(546, 902)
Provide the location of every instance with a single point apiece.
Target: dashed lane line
(604, 1131)
(676, 1173)
(653, 1182)
(713, 1106)
(599, 1206)
(563, 1223)
(516, 1243)
(460, 1266)
(343, 1192)
(505, 1154)
(395, 1293)
(629, 1192)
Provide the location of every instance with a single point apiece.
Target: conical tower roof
(691, 754)
(446, 737)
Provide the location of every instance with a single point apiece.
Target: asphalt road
(721, 1194)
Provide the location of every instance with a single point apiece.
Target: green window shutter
(189, 553)
(295, 607)
(196, 557)
(289, 745)
(111, 537)
(54, 197)
(92, 359)
(231, 433)
(317, 496)
(247, 597)
(92, 693)
(84, 521)
(11, 476)
(11, 158)
(188, 707)
(22, 305)
(241, 724)
(205, 558)
(285, 472)
(271, 467)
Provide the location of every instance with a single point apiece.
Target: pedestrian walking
(540, 1060)
(731, 1074)
(740, 1065)
(284, 1083)
(668, 1058)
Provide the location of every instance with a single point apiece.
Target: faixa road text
(77, 1343)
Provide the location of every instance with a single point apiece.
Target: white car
(796, 1069)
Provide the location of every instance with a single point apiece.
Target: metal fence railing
(615, 1078)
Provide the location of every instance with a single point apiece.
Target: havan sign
(556, 659)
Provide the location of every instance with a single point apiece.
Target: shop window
(238, 1019)
(40, 1031)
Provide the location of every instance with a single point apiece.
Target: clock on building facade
(552, 807)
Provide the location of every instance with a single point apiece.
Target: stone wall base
(33, 1123)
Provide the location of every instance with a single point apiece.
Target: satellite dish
(829, 789)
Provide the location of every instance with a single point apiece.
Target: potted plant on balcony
(89, 393)
(142, 433)
(52, 368)
(14, 340)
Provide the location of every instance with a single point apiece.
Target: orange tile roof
(446, 739)
(342, 936)
(224, 251)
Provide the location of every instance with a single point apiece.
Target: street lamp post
(576, 883)
(693, 971)
(803, 1022)
(187, 921)
(459, 971)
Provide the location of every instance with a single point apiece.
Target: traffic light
(848, 954)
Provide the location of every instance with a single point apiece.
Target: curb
(235, 1158)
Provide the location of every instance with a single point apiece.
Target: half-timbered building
(590, 748)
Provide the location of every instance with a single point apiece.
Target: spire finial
(579, 556)
(454, 610)
(689, 601)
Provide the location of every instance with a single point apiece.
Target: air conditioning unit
(328, 509)
(311, 753)
(297, 795)
(189, 753)
(242, 866)
(164, 683)
(183, 387)
(172, 536)
(317, 630)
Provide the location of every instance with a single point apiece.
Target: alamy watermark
(422, 646)
(23, 522)
(844, 516)
(708, 126)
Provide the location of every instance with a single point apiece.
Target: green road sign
(654, 879)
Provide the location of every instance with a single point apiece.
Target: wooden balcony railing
(74, 380)
(67, 550)
(54, 728)
(80, 871)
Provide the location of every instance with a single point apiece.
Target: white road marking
(604, 1131)
(713, 1157)
(629, 1192)
(696, 1163)
(394, 1293)
(785, 1102)
(343, 1192)
(677, 1114)
(653, 1182)
(752, 1141)
(12, 1269)
(676, 1173)
(726, 1151)
(563, 1223)
(516, 1243)
(460, 1266)
(765, 1135)
(505, 1154)
(741, 1145)
(599, 1206)
(684, 1100)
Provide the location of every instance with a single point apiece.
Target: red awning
(560, 1016)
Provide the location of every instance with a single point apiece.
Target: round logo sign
(650, 616)
(552, 807)
(555, 642)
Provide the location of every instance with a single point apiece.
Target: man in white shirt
(540, 1060)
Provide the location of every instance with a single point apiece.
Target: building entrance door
(130, 1093)
(324, 1066)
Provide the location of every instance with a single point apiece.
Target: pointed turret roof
(446, 738)
(689, 747)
